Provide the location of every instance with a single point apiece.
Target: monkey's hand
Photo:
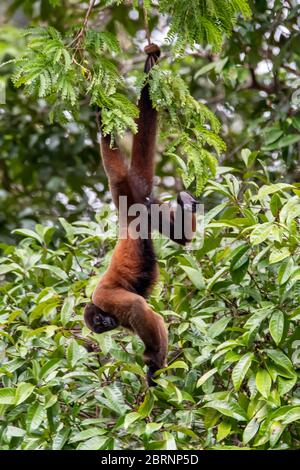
(150, 373)
(155, 362)
(187, 201)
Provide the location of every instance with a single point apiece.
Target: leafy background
(232, 306)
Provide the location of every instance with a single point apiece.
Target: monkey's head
(97, 320)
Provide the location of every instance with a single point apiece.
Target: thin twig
(146, 24)
(78, 38)
(175, 357)
(89, 10)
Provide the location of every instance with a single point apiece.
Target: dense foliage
(231, 305)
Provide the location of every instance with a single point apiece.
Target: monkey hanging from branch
(119, 297)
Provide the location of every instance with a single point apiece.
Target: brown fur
(132, 273)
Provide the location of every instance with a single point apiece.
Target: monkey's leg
(151, 329)
(132, 311)
(142, 162)
(117, 171)
(113, 161)
(143, 149)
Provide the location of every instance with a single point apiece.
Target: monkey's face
(97, 320)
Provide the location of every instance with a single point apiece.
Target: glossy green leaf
(250, 431)
(232, 410)
(276, 326)
(240, 370)
(263, 382)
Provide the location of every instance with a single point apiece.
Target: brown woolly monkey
(119, 298)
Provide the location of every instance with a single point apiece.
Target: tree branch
(77, 40)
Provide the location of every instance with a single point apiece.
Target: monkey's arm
(142, 162)
(114, 165)
(178, 224)
(113, 161)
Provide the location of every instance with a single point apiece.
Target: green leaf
(239, 273)
(146, 407)
(67, 309)
(23, 391)
(291, 416)
(195, 276)
(115, 399)
(176, 365)
(7, 268)
(240, 370)
(69, 229)
(296, 122)
(130, 418)
(206, 376)
(281, 359)
(276, 326)
(7, 396)
(285, 271)
(60, 439)
(48, 329)
(43, 309)
(276, 429)
(245, 154)
(272, 135)
(35, 416)
(290, 211)
(233, 410)
(285, 385)
(279, 254)
(257, 318)
(95, 443)
(210, 66)
(169, 441)
(152, 427)
(273, 188)
(49, 367)
(218, 327)
(250, 431)
(284, 142)
(260, 233)
(13, 431)
(28, 233)
(224, 429)
(74, 353)
(87, 434)
(58, 272)
(263, 382)
(275, 204)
